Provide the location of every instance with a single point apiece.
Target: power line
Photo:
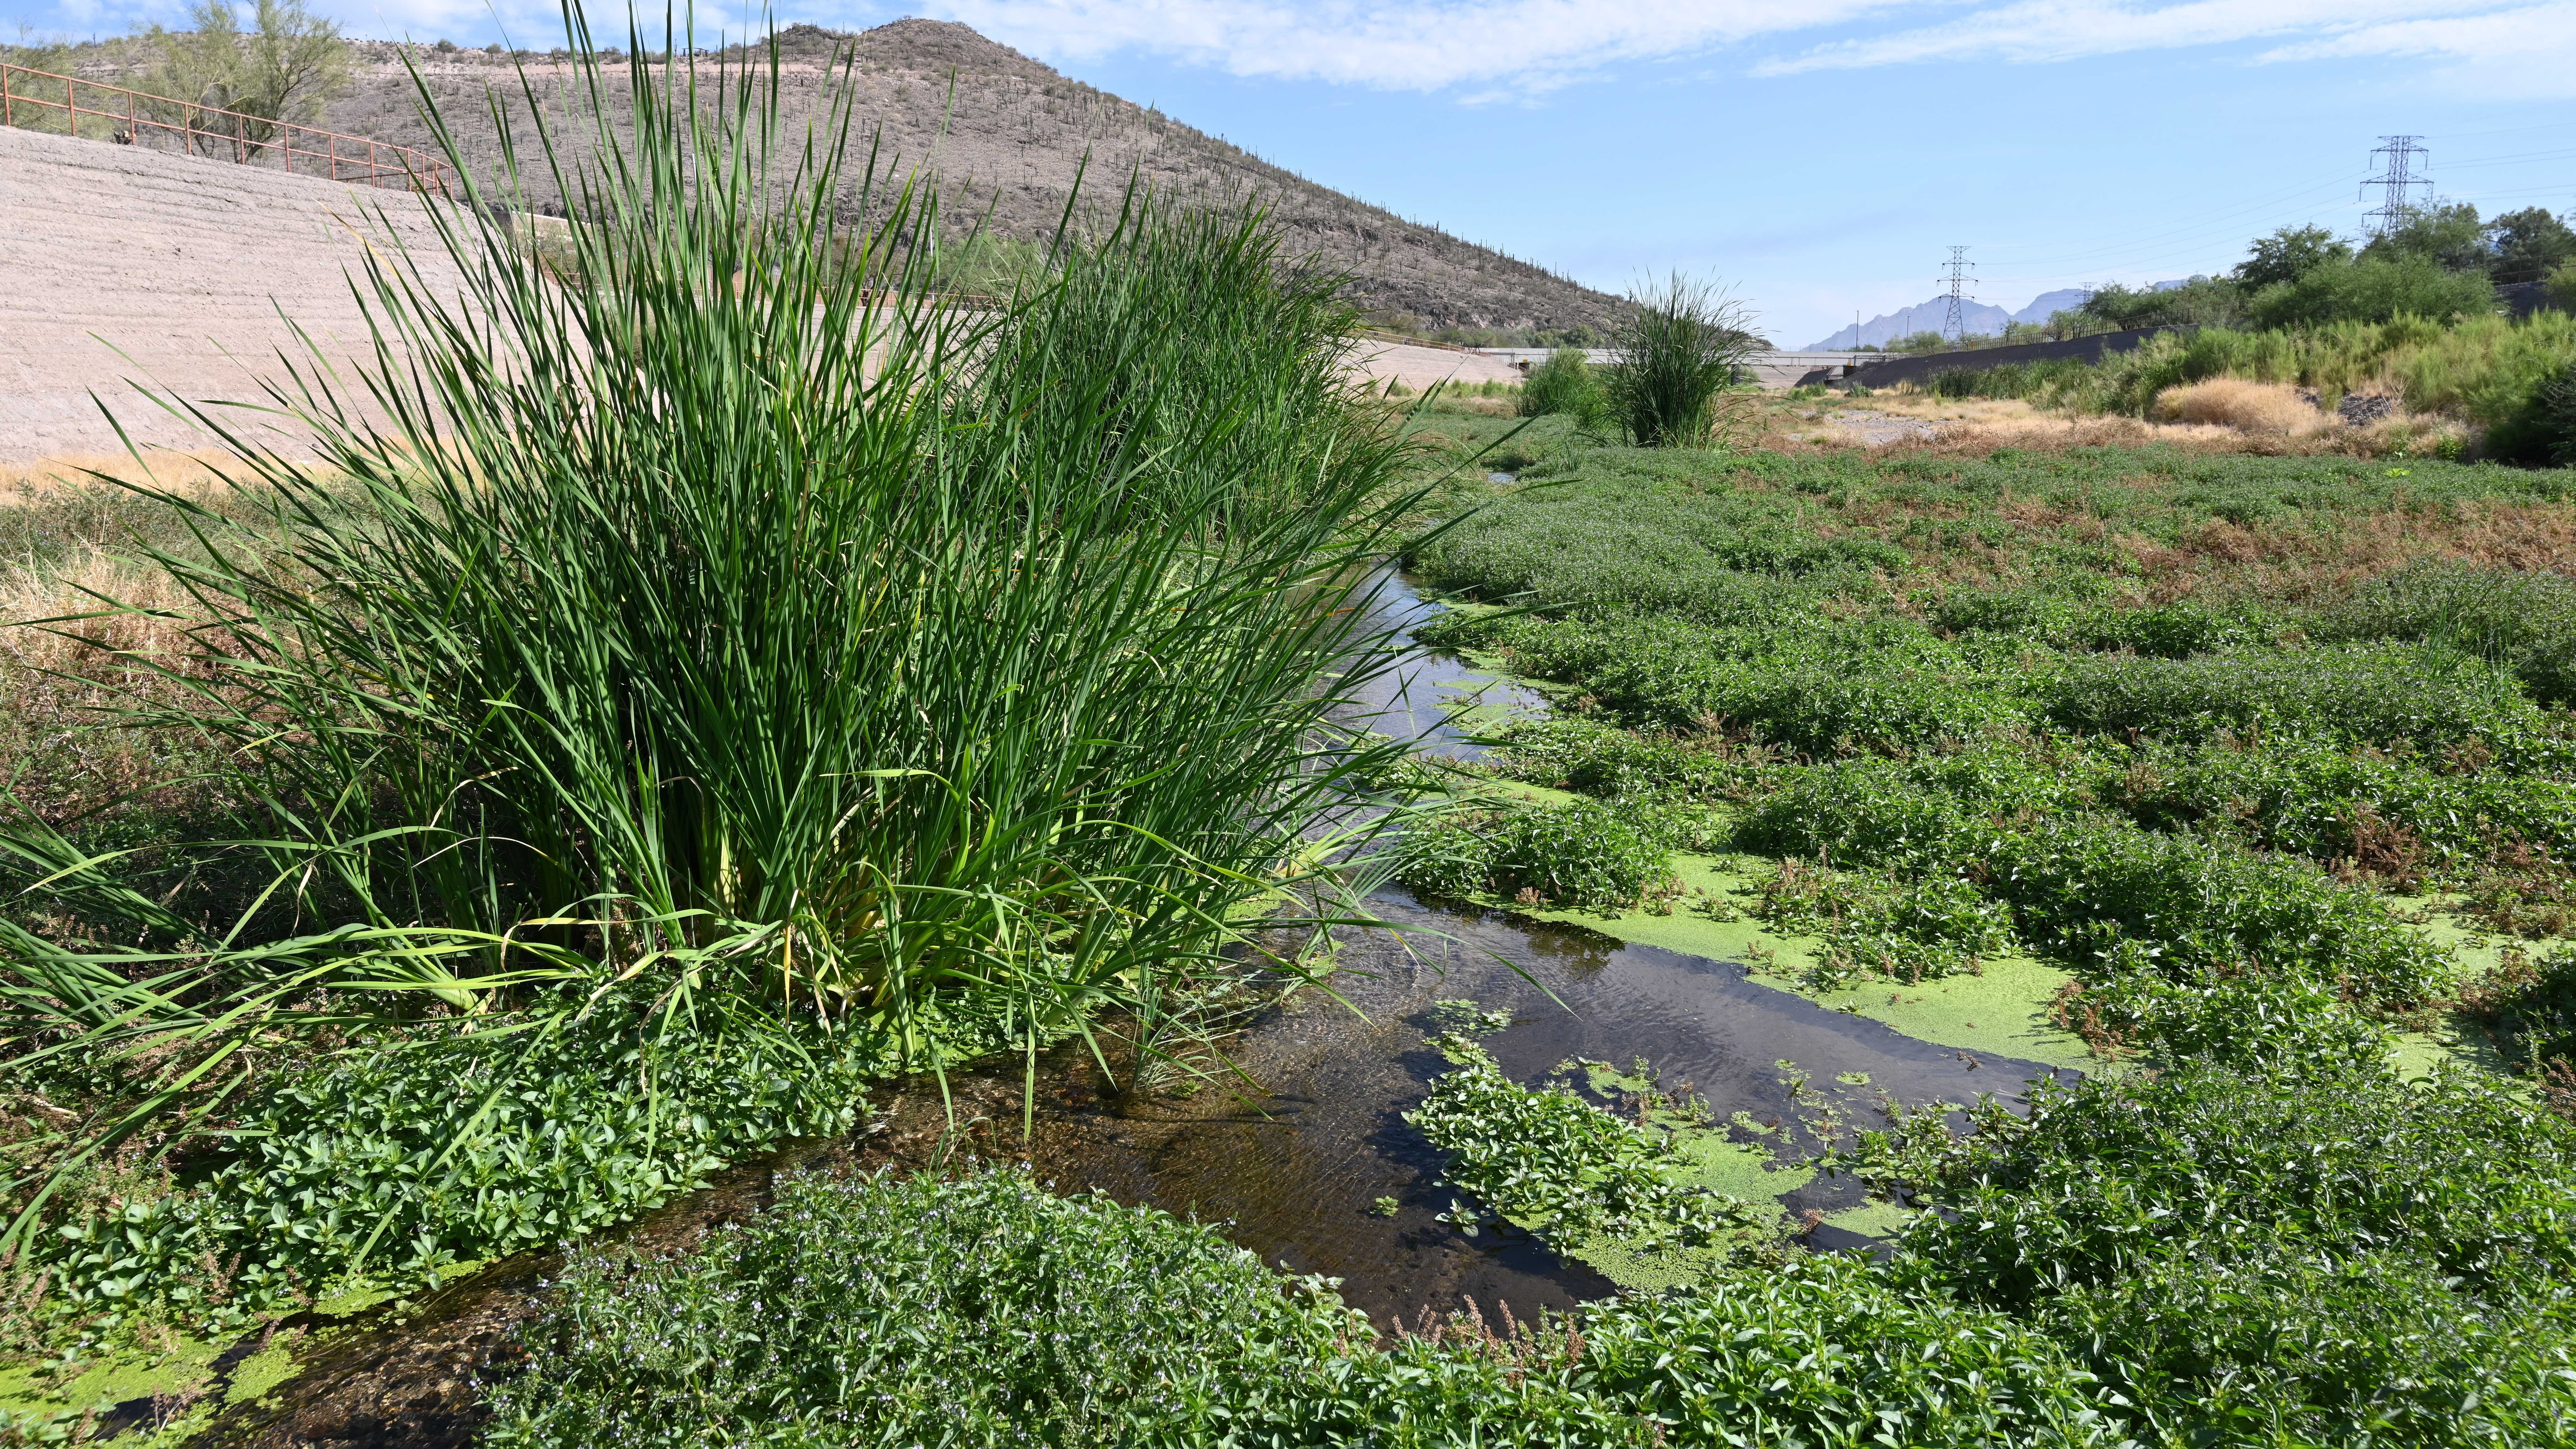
(2210, 224)
(2396, 182)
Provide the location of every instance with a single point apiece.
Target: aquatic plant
(1548, 1162)
(1680, 344)
(983, 1309)
(1580, 855)
(2311, 1246)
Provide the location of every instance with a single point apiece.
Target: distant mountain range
(1983, 319)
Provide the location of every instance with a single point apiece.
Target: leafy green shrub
(1876, 689)
(1564, 384)
(1711, 558)
(1874, 925)
(2397, 817)
(2317, 1252)
(2083, 886)
(2372, 289)
(981, 1311)
(454, 1146)
(2180, 630)
(1548, 1162)
(985, 1310)
(2086, 886)
(2172, 631)
(1447, 855)
(2427, 697)
(1596, 759)
(2530, 1002)
(2131, 1000)
(1581, 854)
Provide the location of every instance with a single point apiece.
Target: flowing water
(1417, 697)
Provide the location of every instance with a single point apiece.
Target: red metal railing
(128, 116)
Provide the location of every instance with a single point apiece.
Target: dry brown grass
(2234, 402)
(52, 478)
(1916, 422)
(62, 684)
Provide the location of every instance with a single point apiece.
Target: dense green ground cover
(2201, 784)
(2209, 732)
(989, 1311)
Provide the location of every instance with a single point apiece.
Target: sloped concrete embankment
(124, 266)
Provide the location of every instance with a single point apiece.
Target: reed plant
(743, 636)
(1680, 344)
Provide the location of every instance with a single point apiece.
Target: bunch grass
(742, 638)
(1680, 344)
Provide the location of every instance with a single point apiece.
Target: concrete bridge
(1774, 370)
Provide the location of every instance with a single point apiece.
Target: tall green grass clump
(1679, 344)
(1566, 384)
(742, 639)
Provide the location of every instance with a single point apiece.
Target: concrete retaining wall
(1922, 369)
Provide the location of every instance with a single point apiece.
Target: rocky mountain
(2047, 304)
(1983, 319)
(1006, 136)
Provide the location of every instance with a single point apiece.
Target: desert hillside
(1004, 133)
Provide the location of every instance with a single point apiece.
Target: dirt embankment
(126, 266)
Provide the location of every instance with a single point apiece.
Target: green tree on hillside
(2289, 254)
(2529, 245)
(277, 74)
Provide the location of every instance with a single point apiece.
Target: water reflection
(1417, 696)
(1295, 1170)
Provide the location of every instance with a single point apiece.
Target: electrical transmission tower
(2398, 175)
(1954, 327)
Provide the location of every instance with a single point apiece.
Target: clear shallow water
(1416, 697)
(1294, 1167)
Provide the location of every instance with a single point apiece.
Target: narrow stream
(1415, 697)
(1295, 1171)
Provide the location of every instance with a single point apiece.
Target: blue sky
(1820, 156)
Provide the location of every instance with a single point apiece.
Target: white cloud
(2526, 53)
(1530, 43)
(2051, 30)
(1495, 49)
